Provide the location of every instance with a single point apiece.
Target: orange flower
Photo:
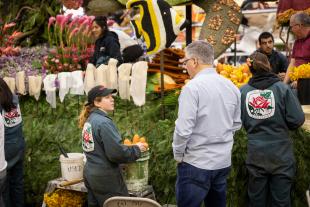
(9, 25)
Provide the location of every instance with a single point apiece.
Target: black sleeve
(294, 114)
(114, 49)
(284, 63)
(113, 147)
(93, 59)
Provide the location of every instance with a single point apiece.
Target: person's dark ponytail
(6, 97)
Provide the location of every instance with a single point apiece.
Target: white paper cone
(35, 84)
(11, 83)
(124, 71)
(77, 86)
(50, 89)
(101, 75)
(112, 73)
(138, 82)
(20, 82)
(89, 81)
(64, 79)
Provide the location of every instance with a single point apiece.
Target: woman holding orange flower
(102, 145)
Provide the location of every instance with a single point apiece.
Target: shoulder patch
(87, 138)
(12, 118)
(260, 104)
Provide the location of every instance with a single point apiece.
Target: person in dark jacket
(14, 147)
(107, 44)
(277, 60)
(104, 151)
(3, 162)
(268, 111)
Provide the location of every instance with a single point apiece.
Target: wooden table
(52, 185)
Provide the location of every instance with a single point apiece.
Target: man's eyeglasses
(185, 61)
(291, 26)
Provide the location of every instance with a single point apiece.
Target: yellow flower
(64, 198)
(302, 71)
(238, 75)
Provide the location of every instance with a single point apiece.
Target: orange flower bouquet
(238, 75)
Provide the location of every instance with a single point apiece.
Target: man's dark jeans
(195, 186)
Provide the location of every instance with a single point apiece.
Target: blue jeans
(195, 186)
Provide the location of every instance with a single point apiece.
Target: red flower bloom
(260, 102)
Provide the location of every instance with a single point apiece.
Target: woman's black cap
(98, 91)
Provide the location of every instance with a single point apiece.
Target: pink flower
(73, 33)
(59, 19)
(75, 59)
(65, 20)
(91, 18)
(85, 22)
(51, 21)
(53, 51)
(82, 19)
(60, 68)
(67, 56)
(73, 22)
(67, 49)
(74, 49)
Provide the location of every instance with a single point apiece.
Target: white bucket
(306, 109)
(72, 167)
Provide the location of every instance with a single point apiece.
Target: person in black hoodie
(268, 111)
(107, 44)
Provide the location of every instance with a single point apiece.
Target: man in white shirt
(3, 163)
(209, 114)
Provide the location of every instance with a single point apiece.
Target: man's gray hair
(302, 18)
(201, 50)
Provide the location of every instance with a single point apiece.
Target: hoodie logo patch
(260, 104)
(87, 138)
(12, 118)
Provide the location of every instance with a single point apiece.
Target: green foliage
(301, 140)
(237, 180)
(44, 127)
(31, 17)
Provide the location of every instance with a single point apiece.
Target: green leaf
(50, 11)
